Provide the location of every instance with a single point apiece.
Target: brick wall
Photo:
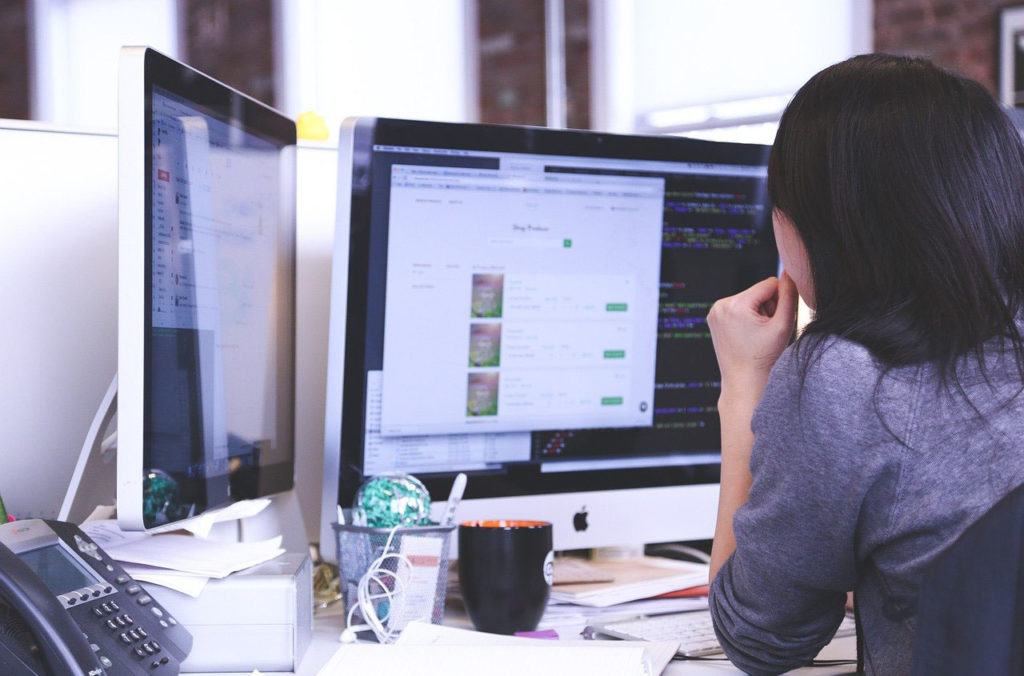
(512, 67)
(962, 35)
(577, 64)
(512, 70)
(14, 101)
(232, 40)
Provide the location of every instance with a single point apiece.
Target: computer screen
(529, 306)
(206, 294)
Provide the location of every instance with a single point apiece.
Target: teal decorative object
(391, 500)
(161, 498)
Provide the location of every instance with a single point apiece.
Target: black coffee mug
(505, 573)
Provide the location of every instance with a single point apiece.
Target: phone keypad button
(144, 600)
(112, 625)
(157, 611)
(139, 652)
(126, 639)
(142, 632)
(98, 612)
(105, 661)
(122, 579)
(133, 589)
(114, 606)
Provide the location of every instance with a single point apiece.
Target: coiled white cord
(377, 584)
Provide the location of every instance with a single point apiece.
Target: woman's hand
(750, 330)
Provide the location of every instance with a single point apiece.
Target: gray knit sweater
(858, 483)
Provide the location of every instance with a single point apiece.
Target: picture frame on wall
(1011, 56)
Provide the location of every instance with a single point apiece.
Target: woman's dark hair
(906, 184)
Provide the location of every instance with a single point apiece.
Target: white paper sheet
(186, 583)
(432, 650)
(190, 554)
(108, 535)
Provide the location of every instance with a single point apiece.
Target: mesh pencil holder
(360, 546)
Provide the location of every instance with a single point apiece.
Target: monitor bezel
(140, 70)
(344, 446)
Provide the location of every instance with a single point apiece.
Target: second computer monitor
(529, 306)
(206, 293)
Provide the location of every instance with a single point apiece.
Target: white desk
(328, 628)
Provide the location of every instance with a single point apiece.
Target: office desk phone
(66, 607)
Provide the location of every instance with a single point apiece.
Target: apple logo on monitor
(579, 519)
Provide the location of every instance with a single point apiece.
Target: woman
(895, 420)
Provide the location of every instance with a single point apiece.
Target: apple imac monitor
(528, 306)
(206, 293)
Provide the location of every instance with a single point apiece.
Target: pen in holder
(409, 576)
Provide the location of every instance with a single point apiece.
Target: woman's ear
(794, 255)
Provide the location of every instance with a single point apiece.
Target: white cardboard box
(259, 618)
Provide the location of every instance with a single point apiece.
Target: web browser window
(522, 298)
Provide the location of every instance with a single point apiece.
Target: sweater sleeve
(817, 455)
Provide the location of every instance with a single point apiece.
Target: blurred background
(711, 68)
(720, 69)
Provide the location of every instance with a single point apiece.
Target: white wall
(317, 182)
(75, 47)
(58, 297)
(661, 54)
(386, 58)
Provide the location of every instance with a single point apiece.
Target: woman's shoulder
(830, 363)
(832, 378)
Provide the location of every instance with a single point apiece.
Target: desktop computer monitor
(528, 306)
(206, 294)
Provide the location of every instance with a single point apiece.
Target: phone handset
(64, 647)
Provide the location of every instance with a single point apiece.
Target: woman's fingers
(751, 329)
(788, 298)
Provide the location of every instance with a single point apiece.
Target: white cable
(390, 586)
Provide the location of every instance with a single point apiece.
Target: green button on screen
(611, 401)
(616, 307)
(614, 354)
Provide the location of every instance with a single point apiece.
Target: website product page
(520, 299)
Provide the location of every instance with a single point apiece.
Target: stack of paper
(184, 563)
(428, 650)
(560, 615)
(633, 579)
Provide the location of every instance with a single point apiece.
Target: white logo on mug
(549, 568)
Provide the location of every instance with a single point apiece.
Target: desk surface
(328, 628)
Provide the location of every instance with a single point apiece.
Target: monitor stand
(94, 483)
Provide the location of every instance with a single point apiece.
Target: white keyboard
(692, 629)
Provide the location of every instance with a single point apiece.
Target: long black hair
(906, 184)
